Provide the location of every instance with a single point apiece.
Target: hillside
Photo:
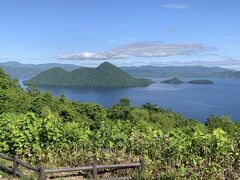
(53, 76)
(56, 132)
(236, 74)
(105, 75)
(19, 70)
(179, 71)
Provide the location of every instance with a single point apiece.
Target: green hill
(105, 75)
(54, 76)
(174, 80)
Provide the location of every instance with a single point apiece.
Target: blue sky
(124, 32)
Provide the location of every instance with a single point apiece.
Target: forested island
(174, 80)
(56, 132)
(105, 75)
(201, 81)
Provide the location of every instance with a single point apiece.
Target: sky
(123, 32)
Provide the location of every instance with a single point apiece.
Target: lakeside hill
(236, 74)
(180, 71)
(105, 75)
(19, 70)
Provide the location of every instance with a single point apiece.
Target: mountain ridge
(179, 71)
(19, 70)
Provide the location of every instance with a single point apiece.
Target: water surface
(192, 100)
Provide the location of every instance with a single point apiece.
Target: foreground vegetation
(53, 131)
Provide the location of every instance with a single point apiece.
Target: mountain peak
(106, 64)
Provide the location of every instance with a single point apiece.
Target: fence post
(141, 171)
(42, 173)
(15, 165)
(94, 165)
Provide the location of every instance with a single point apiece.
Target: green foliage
(222, 122)
(120, 111)
(32, 90)
(124, 102)
(46, 129)
(151, 107)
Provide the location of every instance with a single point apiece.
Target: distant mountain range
(19, 70)
(105, 75)
(181, 71)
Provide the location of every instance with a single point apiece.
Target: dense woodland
(54, 131)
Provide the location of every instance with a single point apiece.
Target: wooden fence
(42, 171)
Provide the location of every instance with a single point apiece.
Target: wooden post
(94, 173)
(42, 173)
(15, 166)
(142, 165)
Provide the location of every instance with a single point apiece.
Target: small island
(174, 80)
(201, 81)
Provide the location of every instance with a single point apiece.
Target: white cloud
(175, 6)
(141, 49)
(2, 57)
(90, 55)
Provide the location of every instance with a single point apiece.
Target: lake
(192, 100)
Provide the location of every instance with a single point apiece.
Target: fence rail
(42, 171)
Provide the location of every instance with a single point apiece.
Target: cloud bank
(142, 49)
(175, 6)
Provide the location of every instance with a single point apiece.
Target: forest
(105, 75)
(56, 132)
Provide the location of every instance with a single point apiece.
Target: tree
(150, 107)
(121, 110)
(124, 102)
(32, 89)
(223, 122)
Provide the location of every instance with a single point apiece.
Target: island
(174, 80)
(105, 75)
(201, 81)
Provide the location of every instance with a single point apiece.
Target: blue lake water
(192, 100)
